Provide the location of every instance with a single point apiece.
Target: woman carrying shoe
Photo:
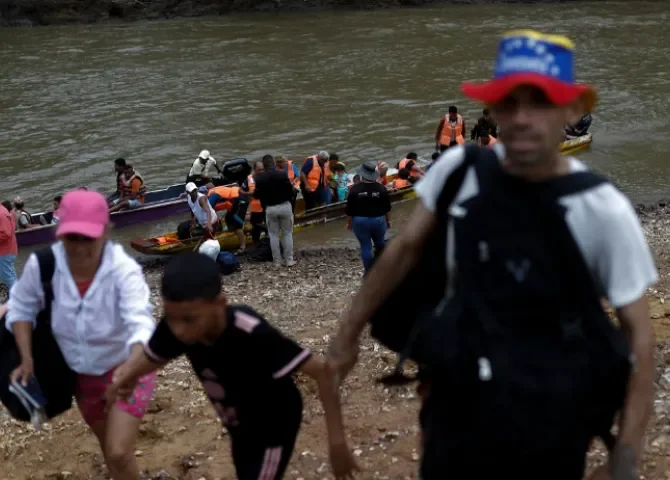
(101, 313)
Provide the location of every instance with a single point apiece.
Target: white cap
(204, 154)
(190, 186)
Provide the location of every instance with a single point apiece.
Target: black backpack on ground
(521, 359)
(56, 379)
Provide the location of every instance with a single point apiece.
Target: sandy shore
(58, 12)
(182, 439)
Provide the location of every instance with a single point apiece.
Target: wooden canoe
(169, 244)
(576, 144)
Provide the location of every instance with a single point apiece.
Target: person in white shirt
(101, 313)
(203, 217)
(203, 168)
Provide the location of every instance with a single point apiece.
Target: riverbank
(59, 12)
(181, 437)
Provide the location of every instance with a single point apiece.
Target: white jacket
(95, 333)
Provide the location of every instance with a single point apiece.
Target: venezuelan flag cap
(527, 57)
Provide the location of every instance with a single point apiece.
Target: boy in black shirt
(245, 366)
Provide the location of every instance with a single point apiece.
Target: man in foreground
(519, 346)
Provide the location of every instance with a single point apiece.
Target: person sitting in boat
(24, 220)
(132, 193)
(55, 219)
(203, 217)
(383, 169)
(486, 140)
(203, 169)
(410, 162)
(331, 193)
(403, 180)
(580, 128)
(119, 169)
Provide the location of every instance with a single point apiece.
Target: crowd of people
(506, 259)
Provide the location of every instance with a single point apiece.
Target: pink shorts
(90, 395)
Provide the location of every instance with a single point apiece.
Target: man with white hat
(203, 217)
(203, 168)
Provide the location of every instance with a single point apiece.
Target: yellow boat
(576, 144)
(169, 244)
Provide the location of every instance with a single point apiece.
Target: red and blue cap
(527, 57)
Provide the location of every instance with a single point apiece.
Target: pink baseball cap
(83, 212)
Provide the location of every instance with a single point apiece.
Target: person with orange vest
(313, 180)
(402, 181)
(133, 191)
(282, 164)
(410, 162)
(450, 130)
(256, 213)
(222, 198)
(486, 140)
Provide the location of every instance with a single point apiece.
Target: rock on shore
(54, 12)
(180, 437)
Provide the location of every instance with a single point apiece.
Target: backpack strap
(452, 186)
(47, 262)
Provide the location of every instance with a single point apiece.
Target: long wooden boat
(169, 244)
(576, 144)
(158, 204)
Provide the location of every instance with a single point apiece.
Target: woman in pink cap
(101, 312)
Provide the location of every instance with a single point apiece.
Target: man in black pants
(525, 228)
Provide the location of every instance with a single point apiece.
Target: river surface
(367, 85)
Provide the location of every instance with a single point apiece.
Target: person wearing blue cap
(511, 250)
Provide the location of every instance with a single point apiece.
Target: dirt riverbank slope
(57, 12)
(181, 437)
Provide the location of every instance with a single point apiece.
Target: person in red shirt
(8, 247)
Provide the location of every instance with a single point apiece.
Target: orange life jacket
(226, 193)
(401, 183)
(127, 187)
(403, 163)
(295, 181)
(452, 131)
(492, 141)
(316, 175)
(255, 204)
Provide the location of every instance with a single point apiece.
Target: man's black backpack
(56, 379)
(521, 358)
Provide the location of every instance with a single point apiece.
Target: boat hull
(169, 244)
(576, 144)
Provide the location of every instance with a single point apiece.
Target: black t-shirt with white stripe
(246, 373)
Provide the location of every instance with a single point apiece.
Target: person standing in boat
(133, 191)
(203, 169)
(203, 217)
(313, 180)
(487, 123)
(293, 173)
(450, 130)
